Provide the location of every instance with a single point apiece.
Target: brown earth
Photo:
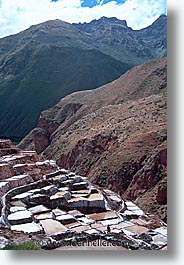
(116, 135)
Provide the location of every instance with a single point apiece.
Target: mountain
(155, 36)
(27, 90)
(48, 61)
(42, 65)
(113, 37)
(116, 135)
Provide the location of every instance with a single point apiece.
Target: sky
(18, 15)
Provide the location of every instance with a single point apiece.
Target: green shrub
(152, 208)
(29, 245)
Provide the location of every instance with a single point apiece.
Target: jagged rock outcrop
(117, 135)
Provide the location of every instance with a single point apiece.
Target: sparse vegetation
(152, 208)
(29, 245)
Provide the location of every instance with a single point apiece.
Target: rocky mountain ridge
(115, 38)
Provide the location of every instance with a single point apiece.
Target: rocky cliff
(116, 135)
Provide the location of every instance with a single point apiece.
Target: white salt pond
(111, 221)
(52, 227)
(21, 196)
(27, 228)
(136, 229)
(19, 215)
(85, 220)
(161, 230)
(39, 209)
(103, 215)
(14, 209)
(43, 216)
(92, 231)
(58, 212)
(160, 240)
(65, 218)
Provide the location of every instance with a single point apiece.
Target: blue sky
(17, 15)
(92, 3)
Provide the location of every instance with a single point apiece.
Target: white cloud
(17, 15)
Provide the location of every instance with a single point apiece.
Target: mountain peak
(113, 20)
(50, 24)
(163, 16)
(103, 22)
(105, 19)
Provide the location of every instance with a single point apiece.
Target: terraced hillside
(60, 209)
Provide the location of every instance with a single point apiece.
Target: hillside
(27, 90)
(46, 62)
(116, 135)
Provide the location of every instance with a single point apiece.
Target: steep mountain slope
(55, 32)
(46, 62)
(36, 74)
(156, 36)
(116, 135)
(26, 90)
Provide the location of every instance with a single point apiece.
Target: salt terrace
(38, 198)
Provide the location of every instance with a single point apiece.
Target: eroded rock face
(41, 139)
(130, 163)
(162, 193)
